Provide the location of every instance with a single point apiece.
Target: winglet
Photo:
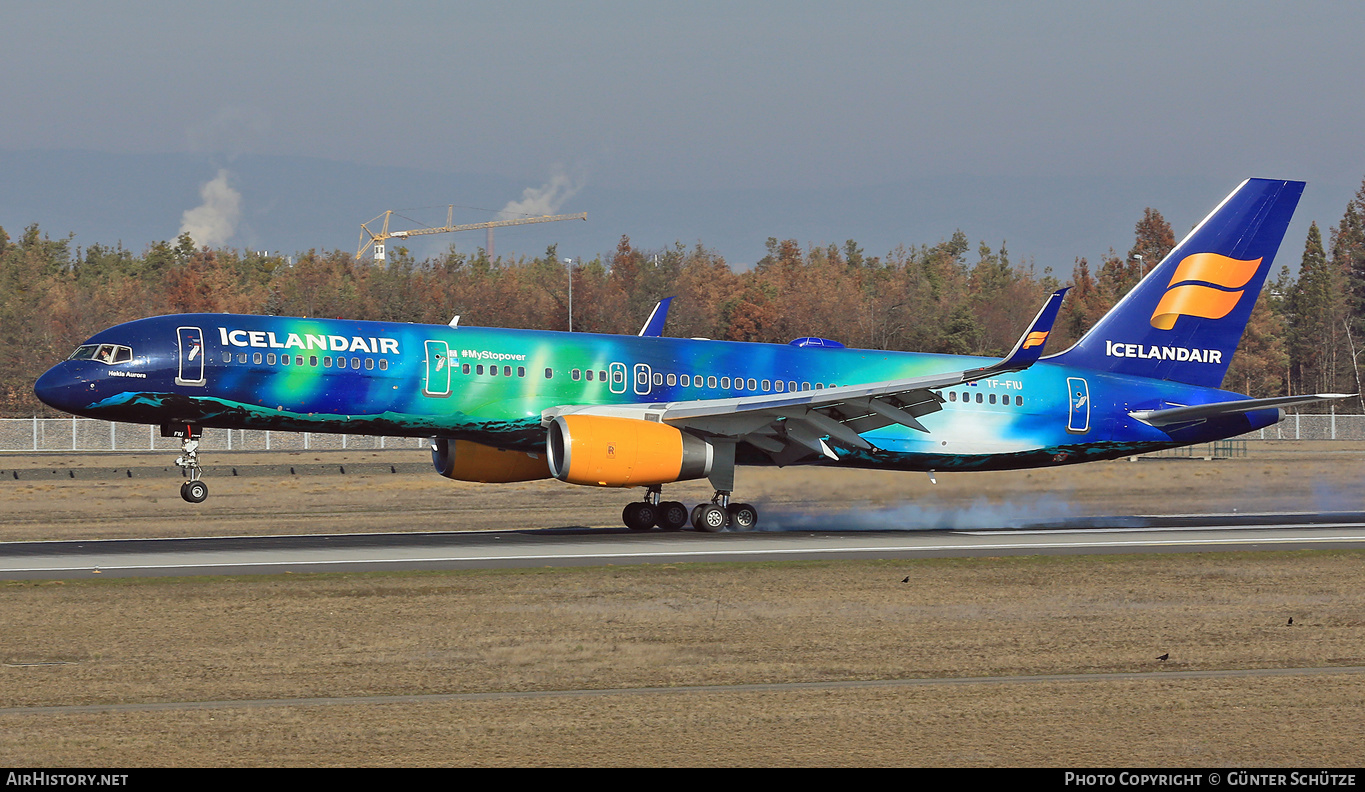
(1030, 345)
(654, 326)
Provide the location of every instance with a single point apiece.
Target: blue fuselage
(491, 385)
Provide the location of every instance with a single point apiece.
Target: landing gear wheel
(743, 516)
(639, 516)
(710, 518)
(194, 491)
(672, 516)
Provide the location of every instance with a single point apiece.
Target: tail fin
(1185, 319)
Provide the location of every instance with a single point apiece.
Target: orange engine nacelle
(624, 452)
(463, 460)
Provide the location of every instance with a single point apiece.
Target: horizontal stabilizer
(1197, 412)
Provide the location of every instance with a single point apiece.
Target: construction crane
(378, 239)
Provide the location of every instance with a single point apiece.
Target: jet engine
(602, 451)
(463, 460)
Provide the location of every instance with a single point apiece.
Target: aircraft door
(1078, 394)
(190, 341)
(617, 374)
(643, 375)
(438, 369)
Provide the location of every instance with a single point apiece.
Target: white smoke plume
(543, 200)
(213, 222)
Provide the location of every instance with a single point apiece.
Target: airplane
(644, 411)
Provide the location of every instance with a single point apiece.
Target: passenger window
(256, 358)
(241, 358)
(507, 371)
(686, 380)
(992, 398)
(575, 375)
(978, 398)
(383, 364)
(521, 371)
(952, 396)
(791, 386)
(672, 380)
(767, 385)
(725, 382)
(588, 375)
(284, 360)
(227, 357)
(658, 378)
(549, 373)
(1018, 401)
(369, 365)
(355, 363)
(602, 375)
(313, 361)
(492, 371)
(270, 358)
(326, 361)
(479, 369)
(711, 381)
(753, 384)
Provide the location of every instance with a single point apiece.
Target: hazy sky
(706, 95)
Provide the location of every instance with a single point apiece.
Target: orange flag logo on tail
(1205, 302)
(1036, 338)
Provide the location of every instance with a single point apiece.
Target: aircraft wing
(791, 426)
(1198, 412)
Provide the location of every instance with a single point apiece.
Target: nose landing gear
(194, 490)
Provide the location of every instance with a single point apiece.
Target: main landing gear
(672, 515)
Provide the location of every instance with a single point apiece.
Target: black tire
(630, 515)
(639, 516)
(711, 518)
(743, 516)
(194, 491)
(672, 516)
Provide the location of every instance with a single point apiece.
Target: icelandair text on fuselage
(327, 343)
(1232, 778)
(66, 779)
(1113, 349)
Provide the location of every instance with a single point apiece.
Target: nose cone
(64, 389)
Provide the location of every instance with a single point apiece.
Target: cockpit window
(104, 353)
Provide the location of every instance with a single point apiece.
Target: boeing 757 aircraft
(645, 411)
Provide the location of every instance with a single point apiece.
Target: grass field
(694, 664)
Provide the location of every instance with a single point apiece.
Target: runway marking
(438, 698)
(606, 557)
(1149, 529)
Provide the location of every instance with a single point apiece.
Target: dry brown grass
(681, 625)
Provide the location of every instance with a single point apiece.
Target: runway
(603, 546)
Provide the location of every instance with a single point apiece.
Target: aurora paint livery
(1129, 386)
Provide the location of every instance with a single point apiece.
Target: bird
(1163, 657)
(907, 579)
(1291, 621)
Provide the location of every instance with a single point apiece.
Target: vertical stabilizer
(1184, 320)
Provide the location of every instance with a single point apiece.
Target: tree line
(1307, 333)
